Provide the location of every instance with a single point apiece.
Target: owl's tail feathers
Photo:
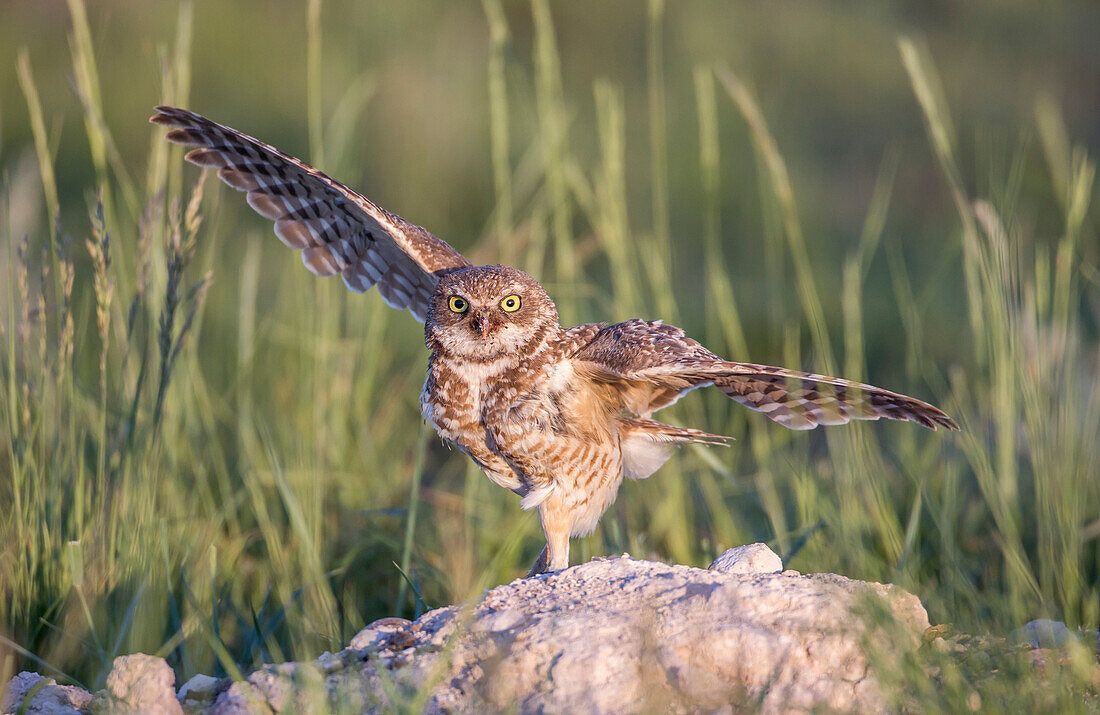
(659, 432)
(647, 444)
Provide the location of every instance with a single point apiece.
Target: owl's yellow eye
(457, 304)
(510, 304)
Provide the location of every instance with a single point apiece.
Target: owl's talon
(540, 564)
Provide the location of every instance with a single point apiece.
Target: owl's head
(485, 312)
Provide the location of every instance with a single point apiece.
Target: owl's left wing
(336, 229)
(651, 365)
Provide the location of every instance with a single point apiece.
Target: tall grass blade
(553, 138)
(100, 142)
(780, 181)
(410, 523)
(498, 129)
(315, 80)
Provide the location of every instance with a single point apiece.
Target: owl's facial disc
(487, 312)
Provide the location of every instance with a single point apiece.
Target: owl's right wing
(650, 365)
(336, 229)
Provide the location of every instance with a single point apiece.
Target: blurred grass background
(213, 456)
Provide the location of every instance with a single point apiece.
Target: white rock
(329, 663)
(50, 699)
(615, 635)
(199, 692)
(139, 683)
(1043, 633)
(378, 633)
(751, 558)
(241, 699)
(290, 687)
(498, 621)
(620, 635)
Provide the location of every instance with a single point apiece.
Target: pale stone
(612, 635)
(139, 683)
(1043, 633)
(620, 635)
(290, 687)
(751, 558)
(378, 633)
(49, 699)
(198, 693)
(497, 621)
(329, 663)
(241, 699)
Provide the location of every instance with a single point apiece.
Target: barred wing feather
(337, 230)
(652, 365)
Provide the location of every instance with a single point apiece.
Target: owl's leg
(557, 522)
(540, 564)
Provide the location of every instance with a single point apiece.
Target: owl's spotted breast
(501, 412)
(451, 402)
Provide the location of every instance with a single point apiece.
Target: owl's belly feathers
(531, 430)
(451, 402)
(563, 445)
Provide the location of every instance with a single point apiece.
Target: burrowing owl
(557, 415)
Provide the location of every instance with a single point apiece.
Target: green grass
(212, 456)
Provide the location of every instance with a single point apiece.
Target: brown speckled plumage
(557, 415)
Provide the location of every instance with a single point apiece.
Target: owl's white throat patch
(478, 373)
(463, 344)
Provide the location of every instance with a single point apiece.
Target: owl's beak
(481, 322)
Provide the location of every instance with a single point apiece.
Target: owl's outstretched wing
(651, 365)
(336, 229)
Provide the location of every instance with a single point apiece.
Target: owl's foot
(540, 564)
